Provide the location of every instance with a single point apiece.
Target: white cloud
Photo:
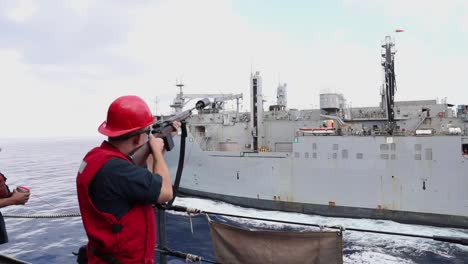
(32, 107)
(432, 15)
(464, 23)
(202, 42)
(81, 7)
(23, 10)
(424, 73)
(214, 49)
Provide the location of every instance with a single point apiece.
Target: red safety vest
(131, 239)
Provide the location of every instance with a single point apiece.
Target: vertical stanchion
(161, 218)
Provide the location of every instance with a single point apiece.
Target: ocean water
(48, 167)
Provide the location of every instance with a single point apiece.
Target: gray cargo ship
(404, 161)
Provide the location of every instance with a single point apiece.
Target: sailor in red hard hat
(115, 195)
(126, 114)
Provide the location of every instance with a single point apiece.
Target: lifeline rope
(42, 215)
(456, 240)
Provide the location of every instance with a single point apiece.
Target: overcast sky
(62, 62)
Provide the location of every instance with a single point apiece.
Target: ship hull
(419, 180)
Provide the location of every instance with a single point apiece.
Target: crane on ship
(217, 100)
(389, 85)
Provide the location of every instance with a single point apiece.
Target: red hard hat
(126, 114)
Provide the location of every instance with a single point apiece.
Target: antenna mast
(389, 85)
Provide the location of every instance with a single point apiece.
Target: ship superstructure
(405, 161)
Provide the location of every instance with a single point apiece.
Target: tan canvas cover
(236, 245)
